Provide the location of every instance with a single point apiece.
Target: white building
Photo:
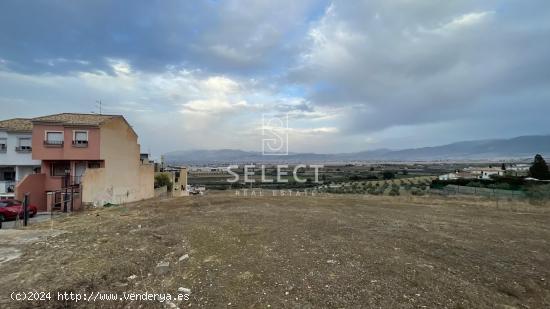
(486, 172)
(15, 154)
(457, 175)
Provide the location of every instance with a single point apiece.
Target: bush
(162, 180)
(394, 190)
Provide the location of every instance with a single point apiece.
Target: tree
(388, 175)
(162, 180)
(503, 167)
(394, 190)
(539, 169)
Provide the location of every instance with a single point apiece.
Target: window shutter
(55, 136)
(81, 136)
(25, 142)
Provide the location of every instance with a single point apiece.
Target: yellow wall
(123, 179)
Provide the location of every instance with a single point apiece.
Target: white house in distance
(486, 172)
(474, 173)
(458, 175)
(15, 154)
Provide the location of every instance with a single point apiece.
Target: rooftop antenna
(98, 104)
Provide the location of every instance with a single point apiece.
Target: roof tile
(76, 119)
(16, 124)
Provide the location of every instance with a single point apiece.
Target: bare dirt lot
(294, 252)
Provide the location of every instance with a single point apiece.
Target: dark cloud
(223, 36)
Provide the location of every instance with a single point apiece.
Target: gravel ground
(292, 252)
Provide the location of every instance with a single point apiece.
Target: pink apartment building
(97, 156)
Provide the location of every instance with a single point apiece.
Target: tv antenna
(99, 106)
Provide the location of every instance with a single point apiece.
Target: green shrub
(162, 180)
(417, 191)
(394, 190)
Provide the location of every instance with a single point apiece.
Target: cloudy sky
(350, 75)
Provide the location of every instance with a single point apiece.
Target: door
(79, 169)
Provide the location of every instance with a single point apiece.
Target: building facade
(98, 154)
(16, 160)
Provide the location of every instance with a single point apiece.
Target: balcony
(7, 186)
(70, 181)
(80, 144)
(23, 149)
(58, 144)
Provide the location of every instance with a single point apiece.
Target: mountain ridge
(521, 147)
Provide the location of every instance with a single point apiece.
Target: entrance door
(79, 169)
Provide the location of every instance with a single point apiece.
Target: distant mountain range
(523, 147)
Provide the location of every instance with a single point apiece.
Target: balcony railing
(7, 186)
(82, 144)
(69, 181)
(23, 149)
(48, 143)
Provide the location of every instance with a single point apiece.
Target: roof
(465, 174)
(16, 124)
(484, 169)
(76, 119)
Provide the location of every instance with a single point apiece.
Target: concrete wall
(33, 184)
(181, 185)
(123, 178)
(161, 192)
(11, 157)
(147, 181)
(51, 183)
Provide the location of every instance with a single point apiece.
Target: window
(80, 138)
(54, 138)
(9, 176)
(25, 144)
(59, 168)
(3, 144)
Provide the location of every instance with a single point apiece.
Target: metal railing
(70, 181)
(7, 186)
(66, 199)
(23, 149)
(53, 143)
(80, 143)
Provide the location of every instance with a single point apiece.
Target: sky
(344, 76)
